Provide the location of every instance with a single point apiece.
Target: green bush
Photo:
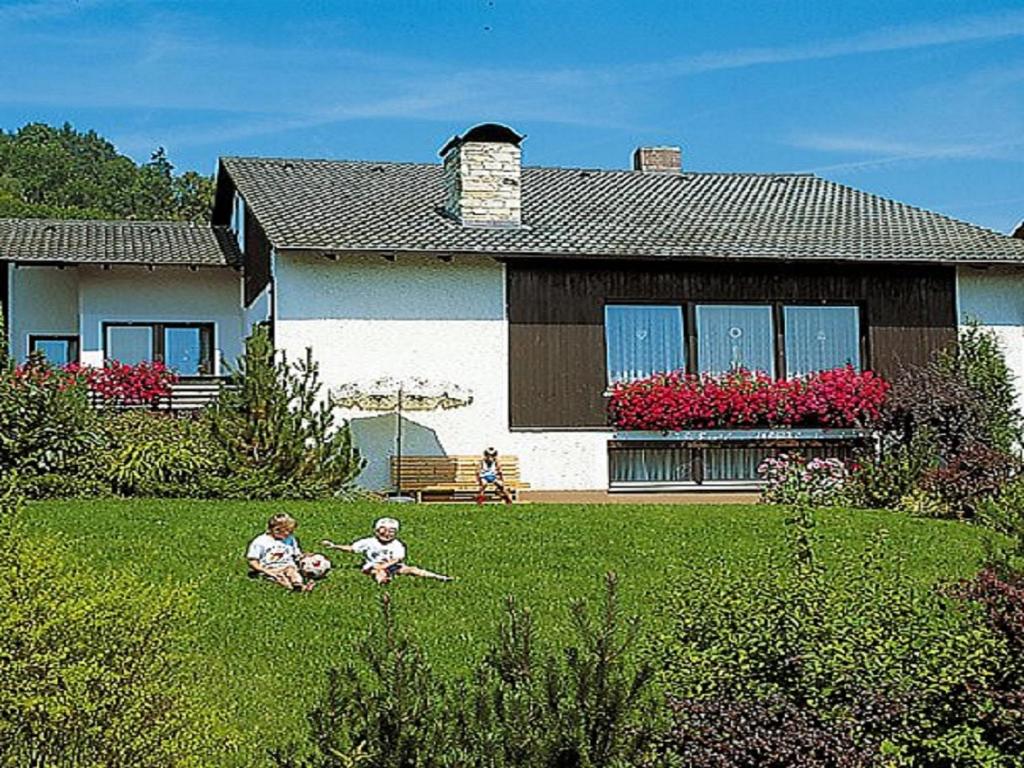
(158, 454)
(46, 423)
(277, 432)
(92, 668)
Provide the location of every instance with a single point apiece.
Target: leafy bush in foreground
(92, 672)
(830, 656)
(520, 708)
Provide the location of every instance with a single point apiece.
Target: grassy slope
(261, 644)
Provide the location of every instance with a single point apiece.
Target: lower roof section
(68, 241)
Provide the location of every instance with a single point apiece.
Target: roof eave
(502, 255)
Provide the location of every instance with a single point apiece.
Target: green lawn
(260, 644)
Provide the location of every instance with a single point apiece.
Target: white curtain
(642, 340)
(651, 465)
(821, 338)
(734, 336)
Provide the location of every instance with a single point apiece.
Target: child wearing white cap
(384, 553)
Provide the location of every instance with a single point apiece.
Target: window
(642, 340)
(735, 336)
(185, 347)
(820, 338)
(238, 220)
(58, 350)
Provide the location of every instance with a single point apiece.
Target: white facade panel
(994, 297)
(366, 317)
(257, 312)
(164, 294)
(43, 300)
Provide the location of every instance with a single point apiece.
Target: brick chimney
(482, 175)
(658, 159)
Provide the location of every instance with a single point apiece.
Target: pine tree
(276, 428)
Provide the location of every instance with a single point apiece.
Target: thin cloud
(961, 29)
(905, 152)
(42, 9)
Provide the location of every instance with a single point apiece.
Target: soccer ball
(314, 566)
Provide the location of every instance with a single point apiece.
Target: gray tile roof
(117, 242)
(364, 206)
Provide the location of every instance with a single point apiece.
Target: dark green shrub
(582, 707)
(46, 423)
(278, 434)
(891, 473)
(980, 359)
(1001, 597)
(92, 668)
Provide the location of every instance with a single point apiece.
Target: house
(89, 291)
(536, 288)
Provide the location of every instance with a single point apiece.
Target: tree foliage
(62, 173)
(278, 433)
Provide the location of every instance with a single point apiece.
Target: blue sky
(920, 101)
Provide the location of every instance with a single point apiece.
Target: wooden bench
(452, 477)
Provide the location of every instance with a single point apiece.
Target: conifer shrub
(585, 705)
(277, 432)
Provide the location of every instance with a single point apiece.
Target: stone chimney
(482, 176)
(658, 159)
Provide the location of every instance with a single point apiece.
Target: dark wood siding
(556, 319)
(256, 257)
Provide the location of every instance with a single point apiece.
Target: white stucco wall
(43, 300)
(366, 317)
(994, 297)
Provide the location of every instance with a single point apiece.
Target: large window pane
(183, 350)
(643, 340)
(730, 337)
(651, 465)
(820, 338)
(129, 344)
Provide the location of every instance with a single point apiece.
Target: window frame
(683, 346)
(207, 340)
(862, 330)
(73, 340)
(777, 306)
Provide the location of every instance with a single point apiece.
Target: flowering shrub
(121, 384)
(789, 479)
(116, 383)
(843, 397)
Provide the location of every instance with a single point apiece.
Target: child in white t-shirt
(275, 554)
(384, 553)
